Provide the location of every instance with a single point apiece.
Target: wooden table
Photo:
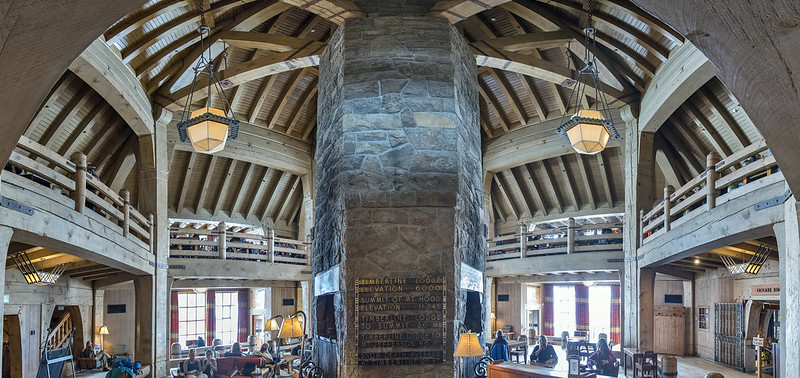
(512, 344)
(512, 370)
(287, 362)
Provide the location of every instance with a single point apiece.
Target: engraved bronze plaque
(401, 321)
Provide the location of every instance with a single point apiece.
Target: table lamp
(295, 326)
(103, 331)
(468, 346)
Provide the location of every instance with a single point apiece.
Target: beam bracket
(16, 206)
(773, 201)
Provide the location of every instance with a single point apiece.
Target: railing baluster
(641, 227)
(151, 228)
(711, 179)
(668, 190)
(79, 195)
(570, 235)
(223, 240)
(126, 211)
(271, 245)
(522, 238)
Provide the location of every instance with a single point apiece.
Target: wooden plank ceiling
(160, 44)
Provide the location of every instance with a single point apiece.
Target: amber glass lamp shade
(468, 345)
(588, 133)
(207, 130)
(293, 326)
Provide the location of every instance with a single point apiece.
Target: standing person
(210, 365)
(499, 347)
(192, 367)
(603, 359)
(544, 354)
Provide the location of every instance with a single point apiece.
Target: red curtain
(548, 310)
(211, 316)
(174, 323)
(244, 315)
(615, 315)
(582, 310)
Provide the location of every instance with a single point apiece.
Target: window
(227, 313)
(702, 317)
(564, 310)
(191, 316)
(599, 311)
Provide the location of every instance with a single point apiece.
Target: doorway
(729, 334)
(12, 347)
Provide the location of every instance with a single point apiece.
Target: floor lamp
(273, 324)
(468, 346)
(295, 326)
(103, 331)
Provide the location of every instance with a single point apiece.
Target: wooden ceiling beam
(484, 91)
(689, 138)
(537, 191)
(67, 113)
(523, 41)
(501, 188)
(305, 101)
(721, 112)
(691, 158)
(587, 185)
(272, 197)
(517, 183)
(706, 127)
(570, 184)
(187, 180)
(552, 186)
(497, 210)
(335, 11)
(113, 149)
(262, 184)
(136, 19)
(223, 191)
(121, 168)
(58, 92)
(535, 100)
(312, 121)
(242, 191)
(519, 111)
(460, 10)
(204, 190)
(288, 198)
(285, 95)
(261, 97)
(86, 123)
(263, 41)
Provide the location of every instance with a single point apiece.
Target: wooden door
(669, 325)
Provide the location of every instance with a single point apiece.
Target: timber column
(399, 193)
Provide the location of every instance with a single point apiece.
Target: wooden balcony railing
(70, 177)
(565, 240)
(721, 181)
(220, 244)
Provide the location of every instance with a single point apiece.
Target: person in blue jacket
(499, 347)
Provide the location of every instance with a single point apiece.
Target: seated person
(265, 354)
(209, 366)
(102, 356)
(544, 354)
(499, 347)
(236, 351)
(192, 368)
(603, 359)
(200, 342)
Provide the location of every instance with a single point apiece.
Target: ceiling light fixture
(208, 128)
(751, 267)
(590, 128)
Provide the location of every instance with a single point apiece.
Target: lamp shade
(103, 330)
(292, 327)
(588, 133)
(207, 129)
(273, 324)
(468, 346)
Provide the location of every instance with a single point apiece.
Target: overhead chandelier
(590, 128)
(751, 267)
(32, 275)
(207, 128)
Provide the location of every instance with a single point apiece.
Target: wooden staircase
(62, 334)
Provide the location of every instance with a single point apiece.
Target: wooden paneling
(668, 320)
(278, 295)
(121, 327)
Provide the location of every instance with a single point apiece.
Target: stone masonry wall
(398, 168)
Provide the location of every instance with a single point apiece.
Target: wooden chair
(518, 352)
(646, 365)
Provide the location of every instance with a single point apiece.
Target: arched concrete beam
(99, 67)
(39, 40)
(680, 76)
(754, 45)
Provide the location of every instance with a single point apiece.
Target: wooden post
(522, 247)
(223, 240)
(641, 227)
(571, 235)
(79, 195)
(668, 190)
(126, 211)
(151, 227)
(711, 179)
(271, 245)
